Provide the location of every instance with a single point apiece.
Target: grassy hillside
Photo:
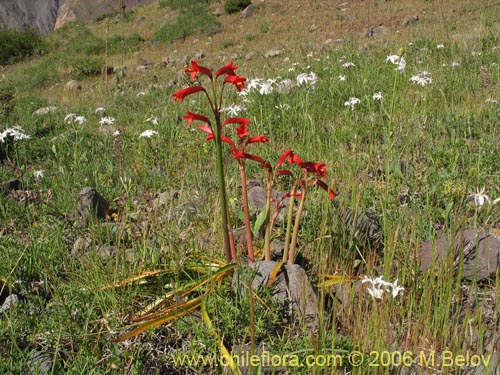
(409, 142)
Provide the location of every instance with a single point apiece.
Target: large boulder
(478, 251)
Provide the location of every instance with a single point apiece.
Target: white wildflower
(342, 78)
(153, 120)
(285, 86)
(423, 78)
(455, 64)
(140, 93)
(440, 46)
(479, 197)
(16, 133)
(70, 117)
(253, 84)
(108, 120)
(100, 110)
(234, 110)
(148, 133)
(378, 286)
(490, 100)
(352, 102)
(38, 175)
(266, 88)
(378, 96)
(397, 60)
(284, 106)
(348, 65)
(307, 78)
(80, 120)
(116, 133)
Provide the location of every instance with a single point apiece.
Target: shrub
(130, 43)
(42, 74)
(86, 43)
(189, 21)
(234, 6)
(16, 45)
(178, 4)
(87, 67)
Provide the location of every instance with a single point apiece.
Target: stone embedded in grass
(91, 205)
(12, 184)
(73, 85)
(45, 110)
(480, 252)
(291, 290)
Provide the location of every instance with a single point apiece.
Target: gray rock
(39, 363)
(248, 11)
(377, 31)
(9, 303)
(81, 245)
(199, 55)
(73, 85)
(91, 205)
(45, 110)
(410, 21)
(164, 199)
(218, 12)
(480, 252)
(272, 53)
(257, 202)
(12, 184)
(141, 68)
(291, 290)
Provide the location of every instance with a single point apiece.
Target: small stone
(13, 184)
(40, 363)
(377, 31)
(199, 55)
(73, 85)
(272, 53)
(410, 21)
(141, 68)
(9, 303)
(81, 245)
(218, 12)
(91, 205)
(248, 11)
(45, 110)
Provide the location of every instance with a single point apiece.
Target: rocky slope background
(47, 15)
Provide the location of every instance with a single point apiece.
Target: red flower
(325, 187)
(195, 69)
(227, 69)
(318, 168)
(237, 120)
(242, 155)
(283, 157)
(181, 94)
(242, 131)
(257, 139)
(211, 135)
(295, 159)
(297, 194)
(190, 117)
(285, 172)
(237, 81)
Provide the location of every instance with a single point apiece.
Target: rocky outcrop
(48, 15)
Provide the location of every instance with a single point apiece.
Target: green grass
(435, 143)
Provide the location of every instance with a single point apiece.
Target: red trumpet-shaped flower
(211, 135)
(237, 120)
(196, 69)
(325, 187)
(237, 81)
(242, 131)
(283, 157)
(243, 155)
(318, 168)
(227, 69)
(190, 117)
(257, 139)
(181, 94)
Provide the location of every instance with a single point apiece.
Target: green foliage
(16, 45)
(234, 6)
(130, 43)
(190, 20)
(6, 99)
(87, 67)
(85, 42)
(179, 4)
(42, 74)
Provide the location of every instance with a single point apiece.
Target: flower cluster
(399, 61)
(16, 133)
(422, 79)
(378, 286)
(235, 133)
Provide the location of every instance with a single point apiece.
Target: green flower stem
(293, 243)
(269, 225)
(289, 222)
(246, 212)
